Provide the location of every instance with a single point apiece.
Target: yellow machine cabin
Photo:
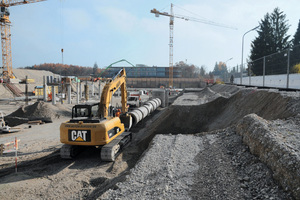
(98, 124)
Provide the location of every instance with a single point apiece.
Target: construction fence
(280, 70)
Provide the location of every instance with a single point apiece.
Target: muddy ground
(197, 153)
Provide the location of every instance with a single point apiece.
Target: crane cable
(203, 19)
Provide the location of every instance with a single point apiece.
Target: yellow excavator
(99, 124)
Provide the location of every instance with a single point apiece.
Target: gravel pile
(164, 172)
(213, 165)
(276, 143)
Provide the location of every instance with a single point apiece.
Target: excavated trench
(219, 113)
(223, 112)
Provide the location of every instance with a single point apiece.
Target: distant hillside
(66, 70)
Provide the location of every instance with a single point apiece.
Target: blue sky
(105, 31)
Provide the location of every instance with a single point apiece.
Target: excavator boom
(109, 89)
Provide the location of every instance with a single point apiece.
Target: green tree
(296, 39)
(295, 54)
(95, 70)
(272, 38)
(221, 71)
(202, 71)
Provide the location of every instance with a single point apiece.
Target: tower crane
(5, 24)
(172, 16)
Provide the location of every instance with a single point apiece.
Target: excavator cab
(85, 111)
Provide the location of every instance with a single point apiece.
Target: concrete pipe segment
(136, 116)
(140, 113)
(149, 108)
(144, 111)
(154, 103)
(150, 105)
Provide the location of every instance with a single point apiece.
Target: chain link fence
(280, 70)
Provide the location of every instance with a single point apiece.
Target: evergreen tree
(280, 28)
(296, 39)
(202, 71)
(95, 70)
(295, 54)
(220, 70)
(272, 38)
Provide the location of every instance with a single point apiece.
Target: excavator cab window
(85, 111)
(94, 111)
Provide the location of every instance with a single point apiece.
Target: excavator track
(69, 151)
(110, 151)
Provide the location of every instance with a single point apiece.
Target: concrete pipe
(148, 103)
(140, 113)
(158, 102)
(144, 111)
(136, 116)
(149, 108)
(153, 103)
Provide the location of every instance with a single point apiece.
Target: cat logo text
(80, 135)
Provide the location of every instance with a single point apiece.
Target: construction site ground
(222, 142)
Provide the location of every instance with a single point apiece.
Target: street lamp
(243, 51)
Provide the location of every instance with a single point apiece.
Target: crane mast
(171, 48)
(5, 24)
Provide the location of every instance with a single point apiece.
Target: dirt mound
(224, 112)
(37, 111)
(225, 89)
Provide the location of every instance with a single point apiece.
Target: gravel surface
(212, 165)
(162, 173)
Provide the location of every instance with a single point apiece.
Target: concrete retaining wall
(279, 81)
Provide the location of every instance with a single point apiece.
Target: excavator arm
(109, 89)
